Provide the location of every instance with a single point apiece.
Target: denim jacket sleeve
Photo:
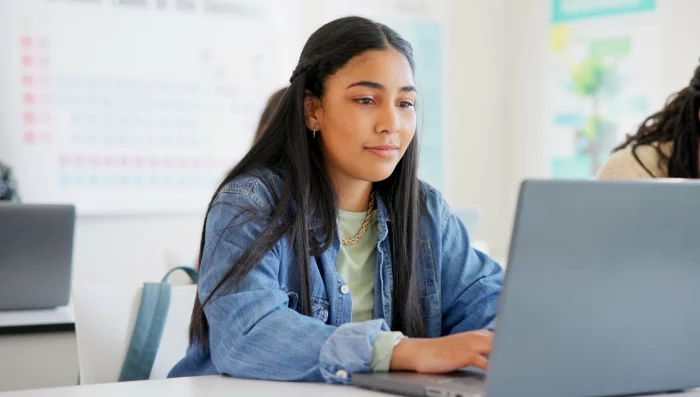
(252, 331)
(471, 281)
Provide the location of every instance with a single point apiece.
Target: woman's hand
(444, 354)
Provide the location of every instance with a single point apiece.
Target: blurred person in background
(8, 185)
(667, 143)
(272, 103)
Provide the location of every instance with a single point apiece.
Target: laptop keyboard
(469, 386)
(466, 381)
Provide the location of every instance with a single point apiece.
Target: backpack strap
(148, 330)
(191, 272)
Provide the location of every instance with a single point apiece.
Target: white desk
(214, 386)
(58, 319)
(200, 387)
(38, 349)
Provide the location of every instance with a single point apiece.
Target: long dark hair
(677, 122)
(307, 193)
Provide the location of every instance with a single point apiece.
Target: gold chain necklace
(363, 229)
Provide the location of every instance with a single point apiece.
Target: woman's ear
(312, 105)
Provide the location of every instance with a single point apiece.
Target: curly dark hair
(677, 122)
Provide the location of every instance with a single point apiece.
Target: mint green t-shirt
(356, 265)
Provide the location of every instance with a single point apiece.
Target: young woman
(666, 144)
(322, 251)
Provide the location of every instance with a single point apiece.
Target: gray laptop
(601, 297)
(36, 249)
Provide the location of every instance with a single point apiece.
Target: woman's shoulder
(260, 187)
(429, 194)
(434, 209)
(623, 164)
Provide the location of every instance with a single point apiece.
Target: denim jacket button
(344, 289)
(341, 374)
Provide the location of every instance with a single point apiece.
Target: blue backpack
(148, 330)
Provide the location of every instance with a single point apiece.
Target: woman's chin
(378, 173)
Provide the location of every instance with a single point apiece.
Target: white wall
(527, 26)
(680, 33)
(475, 139)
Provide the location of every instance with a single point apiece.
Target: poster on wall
(422, 24)
(602, 80)
(135, 107)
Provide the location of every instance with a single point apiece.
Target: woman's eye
(365, 101)
(406, 104)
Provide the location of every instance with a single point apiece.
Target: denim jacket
(257, 331)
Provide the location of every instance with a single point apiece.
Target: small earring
(314, 133)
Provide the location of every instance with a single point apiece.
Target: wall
(475, 139)
(527, 24)
(680, 47)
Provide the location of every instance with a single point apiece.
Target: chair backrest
(104, 321)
